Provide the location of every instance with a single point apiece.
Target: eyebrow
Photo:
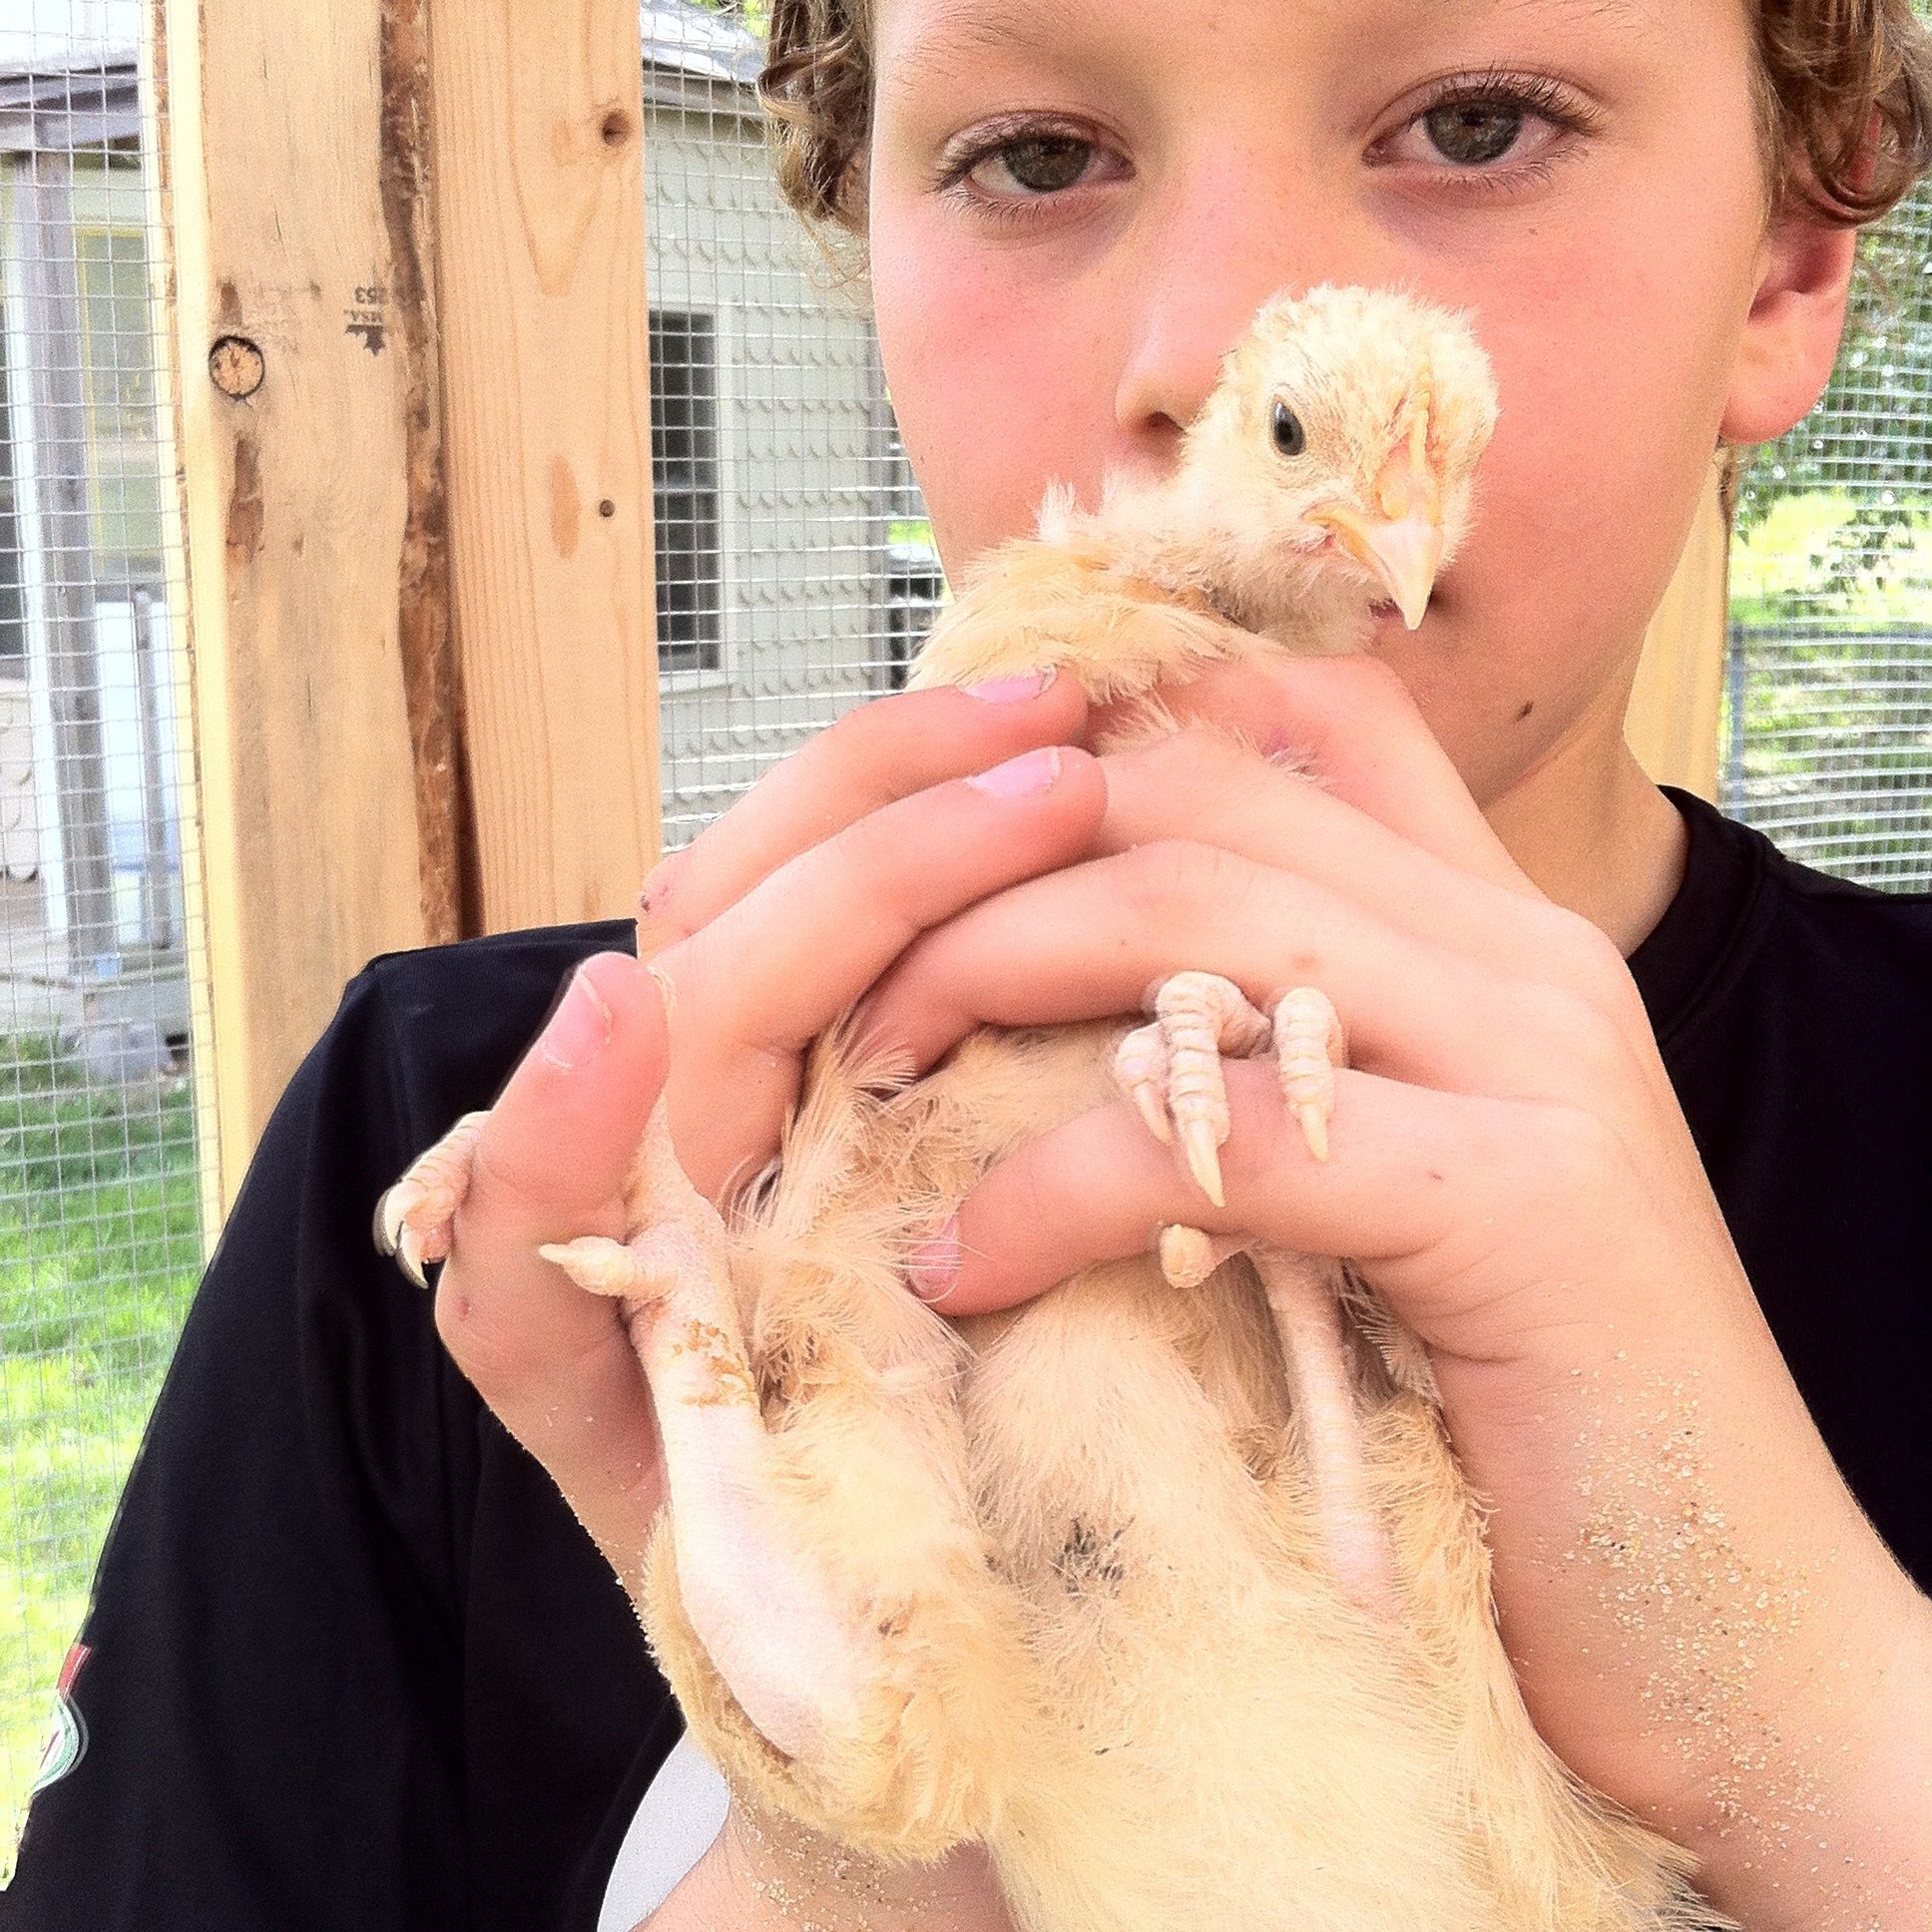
(959, 27)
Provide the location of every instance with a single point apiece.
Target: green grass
(100, 1248)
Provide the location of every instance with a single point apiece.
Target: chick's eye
(1290, 436)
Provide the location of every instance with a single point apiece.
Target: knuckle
(1578, 1154)
(1576, 1033)
(1590, 963)
(1169, 877)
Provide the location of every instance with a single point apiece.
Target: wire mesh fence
(795, 570)
(100, 1236)
(795, 574)
(1828, 713)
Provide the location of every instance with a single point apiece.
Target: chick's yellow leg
(1172, 1069)
(413, 1220)
(847, 1679)
(791, 1652)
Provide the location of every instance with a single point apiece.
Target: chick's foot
(772, 1624)
(1172, 1069)
(414, 1219)
(1171, 1072)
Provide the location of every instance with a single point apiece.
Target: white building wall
(802, 468)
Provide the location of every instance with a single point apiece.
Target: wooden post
(538, 125)
(392, 440)
(1673, 720)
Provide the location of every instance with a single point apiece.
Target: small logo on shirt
(67, 1742)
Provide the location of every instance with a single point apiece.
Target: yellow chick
(1165, 1586)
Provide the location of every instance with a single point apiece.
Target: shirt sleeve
(270, 1699)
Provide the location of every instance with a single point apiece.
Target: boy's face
(1131, 178)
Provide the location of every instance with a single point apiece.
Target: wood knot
(237, 366)
(615, 129)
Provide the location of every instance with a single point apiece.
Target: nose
(1227, 233)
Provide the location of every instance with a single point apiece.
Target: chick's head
(1343, 434)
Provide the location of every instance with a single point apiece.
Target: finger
(878, 752)
(1351, 723)
(1208, 787)
(1409, 1171)
(772, 972)
(554, 1362)
(1092, 940)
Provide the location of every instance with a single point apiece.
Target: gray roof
(691, 40)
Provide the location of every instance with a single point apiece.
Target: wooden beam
(414, 416)
(538, 215)
(307, 425)
(1673, 721)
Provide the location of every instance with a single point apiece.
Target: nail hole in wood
(236, 365)
(605, 507)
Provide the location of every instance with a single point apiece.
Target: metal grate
(100, 1225)
(819, 556)
(1828, 713)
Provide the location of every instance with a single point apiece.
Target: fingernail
(1018, 777)
(1013, 690)
(666, 987)
(651, 894)
(580, 1025)
(932, 1268)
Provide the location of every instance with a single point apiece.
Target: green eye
(1470, 133)
(1290, 437)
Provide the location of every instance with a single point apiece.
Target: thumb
(552, 1361)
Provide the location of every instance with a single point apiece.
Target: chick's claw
(414, 1219)
(1172, 1069)
(1308, 1046)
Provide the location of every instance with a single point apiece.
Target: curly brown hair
(1844, 104)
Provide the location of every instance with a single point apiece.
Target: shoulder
(1802, 1056)
(441, 1027)
(1812, 951)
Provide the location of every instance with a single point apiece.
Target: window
(117, 375)
(684, 487)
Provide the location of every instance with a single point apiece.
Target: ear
(1797, 318)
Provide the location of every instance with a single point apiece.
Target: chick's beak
(1403, 544)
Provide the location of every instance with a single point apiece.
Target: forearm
(1758, 1682)
(1835, 1833)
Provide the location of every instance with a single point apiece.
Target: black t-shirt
(351, 1662)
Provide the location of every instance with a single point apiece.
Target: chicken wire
(796, 572)
(99, 1234)
(1828, 687)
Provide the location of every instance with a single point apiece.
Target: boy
(1069, 214)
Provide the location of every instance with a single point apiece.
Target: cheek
(995, 385)
(1613, 371)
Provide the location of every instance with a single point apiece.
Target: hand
(762, 932)
(1702, 1623)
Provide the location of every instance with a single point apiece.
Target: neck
(1596, 835)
